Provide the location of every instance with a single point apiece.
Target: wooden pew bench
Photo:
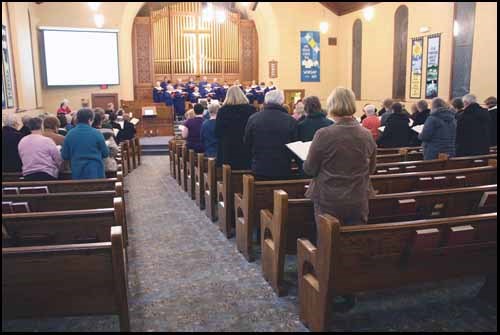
(18, 176)
(211, 178)
(66, 280)
(200, 169)
(64, 226)
(355, 259)
(291, 219)
(388, 151)
(58, 186)
(190, 177)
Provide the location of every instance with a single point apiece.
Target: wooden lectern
(155, 119)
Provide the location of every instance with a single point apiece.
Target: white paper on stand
(301, 149)
(381, 129)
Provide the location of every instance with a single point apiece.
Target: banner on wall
(309, 56)
(432, 76)
(417, 51)
(7, 90)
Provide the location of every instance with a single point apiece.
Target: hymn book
(134, 121)
(418, 128)
(300, 149)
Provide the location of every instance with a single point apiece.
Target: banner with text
(309, 56)
(432, 76)
(417, 50)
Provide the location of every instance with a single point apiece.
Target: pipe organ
(176, 42)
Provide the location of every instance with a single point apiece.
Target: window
(357, 43)
(400, 50)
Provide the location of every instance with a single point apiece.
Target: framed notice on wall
(417, 51)
(309, 56)
(432, 76)
(273, 69)
(7, 86)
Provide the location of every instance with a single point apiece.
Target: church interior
(249, 166)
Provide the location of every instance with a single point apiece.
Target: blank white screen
(81, 58)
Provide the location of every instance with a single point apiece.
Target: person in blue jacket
(179, 100)
(85, 148)
(158, 93)
(195, 95)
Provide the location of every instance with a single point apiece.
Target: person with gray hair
(267, 134)
(386, 106)
(439, 132)
(315, 119)
(11, 162)
(371, 122)
(473, 129)
(39, 154)
(86, 148)
(422, 113)
(208, 138)
(25, 130)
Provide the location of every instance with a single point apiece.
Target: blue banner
(309, 56)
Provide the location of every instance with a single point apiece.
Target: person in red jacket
(64, 108)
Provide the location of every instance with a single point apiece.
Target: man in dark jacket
(386, 106)
(491, 103)
(422, 113)
(267, 134)
(315, 119)
(128, 131)
(397, 132)
(25, 130)
(473, 129)
(11, 162)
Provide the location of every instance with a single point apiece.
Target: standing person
(128, 131)
(158, 93)
(458, 106)
(267, 134)
(192, 130)
(397, 133)
(51, 126)
(298, 112)
(371, 122)
(439, 133)
(386, 106)
(64, 108)
(25, 129)
(422, 114)
(386, 112)
(232, 119)
(39, 154)
(11, 162)
(179, 102)
(208, 137)
(110, 164)
(85, 148)
(473, 129)
(491, 103)
(314, 119)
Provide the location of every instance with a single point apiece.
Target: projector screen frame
(43, 65)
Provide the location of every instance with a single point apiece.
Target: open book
(134, 121)
(115, 131)
(418, 128)
(301, 149)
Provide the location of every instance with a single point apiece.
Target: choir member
(168, 96)
(202, 84)
(190, 85)
(179, 100)
(209, 92)
(195, 95)
(249, 93)
(165, 83)
(215, 84)
(222, 91)
(179, 85)
(269, 88)
(158, 93)
(260, 93)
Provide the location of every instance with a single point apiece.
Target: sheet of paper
(301, 149)
(134, 121)
(410, 122)
(418, 128)
(115, 131)
(381, 129)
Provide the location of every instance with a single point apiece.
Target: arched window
(357, 43)
(400, 50)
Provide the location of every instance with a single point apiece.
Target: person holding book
(397, 132)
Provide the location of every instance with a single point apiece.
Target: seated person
(25, 129)
(191, 130)
(51, 127)
(397, 133)
(110, 164)
(63, 123)
(314, 119)
(208, 138)
(64, 108)
(267, 134)
(40, 156)
(128, 131)
(11, 162)
(85, 147)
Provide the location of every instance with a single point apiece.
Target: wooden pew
(177, 153)
(171, 149)
(347, 261)
(190, 178)
(183, 163)
(211, 179)
(227, 187)
(257, 195)
(66, 280)
(137, 143)
(18, 176)
(65, 227)
(133, 153)
(58, 186)
(291, 219)
(388, 151)
(180, 158)
(402, 156)
(124, 152)
(199, 181)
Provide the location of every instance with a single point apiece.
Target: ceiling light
(220, 16)
(94, 5)
(99, 20)
(424, 29)
(369, 13)
(323, 27)
(208, 13)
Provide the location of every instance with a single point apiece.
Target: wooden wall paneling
(142, 52)
(102, 99)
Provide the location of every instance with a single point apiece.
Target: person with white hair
(64, 107)
(267, 134)
(232, 119)
(208, 137)
(371, 121)
(439, 133)
(473, 129)
(11, 162)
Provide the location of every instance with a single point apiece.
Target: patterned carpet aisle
(184, 275)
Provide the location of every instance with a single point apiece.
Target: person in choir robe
(440, 130)
(165, 83)
(238, 84)
(397, 132)
(51, 126)
(267, 134)
(371, 122)
(473, 129)
(179, 85)
(230, 126)
(422, 114)
(260, 93)
(215, 83)
(491, 103)
(190, 85)
(386, 106)
(168, 96)
(25, 129)
(86, 148)
(314, 119)
(179, 102)
(249, 93)
(64, 108)
(208, 137)
(41, 159)
(269, 87)
(209, 92)
(195, 95)
(223, 91)
(192, 130)
(202, 84)
(158, 93)
(11, 162)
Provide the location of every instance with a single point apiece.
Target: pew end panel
(211, 178)
(190, 179)
(199, 181)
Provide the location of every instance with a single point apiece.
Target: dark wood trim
(453, 44)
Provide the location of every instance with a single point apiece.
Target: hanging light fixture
(99, 20)
(369, 13)
(94, 5)
(208, 12)
(323, 25)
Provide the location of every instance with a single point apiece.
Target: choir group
(177, 94)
